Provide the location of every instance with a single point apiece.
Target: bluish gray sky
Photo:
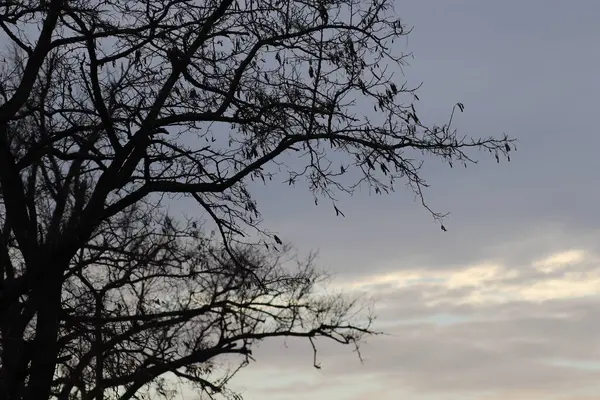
(505, 304)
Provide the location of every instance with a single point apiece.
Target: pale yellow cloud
(494, 283)
(397, 279)
(559, 260)
(570, 286)
(479, 275)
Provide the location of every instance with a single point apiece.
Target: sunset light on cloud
(560, 275)
(509, 330)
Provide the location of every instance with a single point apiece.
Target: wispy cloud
(561, 275)
(476, 330)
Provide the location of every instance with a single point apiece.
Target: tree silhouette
(144, 300)
(113, 109)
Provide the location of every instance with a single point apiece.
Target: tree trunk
(46, 298)
(14, 356)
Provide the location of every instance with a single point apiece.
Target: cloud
(524, 331)
(559, 260)
(563, 274)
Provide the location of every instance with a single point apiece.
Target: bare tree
(144, 300)
(111, 106)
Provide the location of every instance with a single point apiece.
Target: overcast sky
(505, 304)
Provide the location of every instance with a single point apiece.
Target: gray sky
(513, 311)
(505, 305)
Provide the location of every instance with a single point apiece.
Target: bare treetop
(108, 106)
(194, 97)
